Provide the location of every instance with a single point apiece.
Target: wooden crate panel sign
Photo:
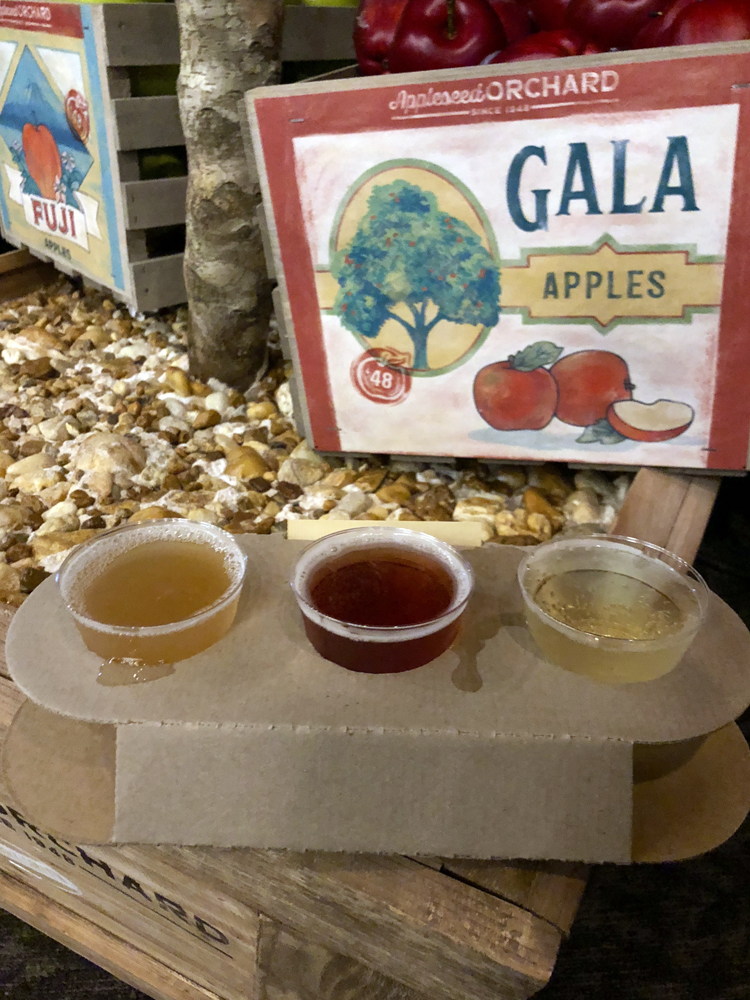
(521, 262)
(57, 194)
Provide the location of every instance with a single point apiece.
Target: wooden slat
(317, 33)
(159, 202)
(432, 933)
(140, 34)
(552, 891)
(669, 509)
(159, 282)
(290, 968)
(112, 953)
(143, 122)
(6, 615)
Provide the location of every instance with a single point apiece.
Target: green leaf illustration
(544, 352)
(602, 432)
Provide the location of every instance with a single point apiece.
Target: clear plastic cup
(386, 575)
(120, 586)
(615, 609)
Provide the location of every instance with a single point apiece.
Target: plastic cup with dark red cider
(381, 600)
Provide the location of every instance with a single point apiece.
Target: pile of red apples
(404, 36)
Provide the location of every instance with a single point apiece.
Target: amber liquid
(159, 583)
(610, 605)
(389, 588)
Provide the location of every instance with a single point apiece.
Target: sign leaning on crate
(531, 262)
(70, 183)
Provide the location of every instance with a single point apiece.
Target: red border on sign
(49, 18)
(701, 81)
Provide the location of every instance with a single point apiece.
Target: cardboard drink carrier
(488, 751)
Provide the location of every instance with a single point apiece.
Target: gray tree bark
(227, 47)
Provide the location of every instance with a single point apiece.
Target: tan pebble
(303, 451)
(551, 483)
(581, 507)
(206, 418)
(540, 526)
(300, 472)
(402, 514)
(41, 339)
(269, 477)
(110, 453)
(97, 335)
(177, 381)
(12, 516)
(394, 493)
(10, 583)
(535, 503)
(378, 513)
(151, 514)
(6, 461)
(203, 515)
(261, 411)
(30, 464)
(48, 545)
(339, 478)
(198, 388)
(514, 478)
(271, 509)
(36, 482)
(244, 463)
(478, 509)
(371, 481)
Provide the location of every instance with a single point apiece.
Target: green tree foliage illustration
(407, 251)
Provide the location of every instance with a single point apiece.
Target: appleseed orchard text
(533, 87)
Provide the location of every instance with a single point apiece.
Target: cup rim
(701, 590)
(146, 631)
(393, 631)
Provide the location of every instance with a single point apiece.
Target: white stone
(284, 400)
(217, 401)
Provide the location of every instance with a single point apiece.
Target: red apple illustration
(518, 394)
(588, 381)
(42, 158)
(659, 421)
(77, 114)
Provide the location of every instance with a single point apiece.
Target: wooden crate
(141, 256)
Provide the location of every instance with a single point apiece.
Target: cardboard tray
(487, 752)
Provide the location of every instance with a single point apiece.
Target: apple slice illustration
(661, 420)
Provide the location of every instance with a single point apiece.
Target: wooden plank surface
(317, 33)
(405, 920)
(85, 937)
(159, 282)
(159, 202)
(143, 122)
(669, 509)
(139, 34)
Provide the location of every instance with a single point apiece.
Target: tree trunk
(227, 47)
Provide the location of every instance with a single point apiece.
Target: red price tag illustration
(373, 376)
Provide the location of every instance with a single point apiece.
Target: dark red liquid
(387, 589)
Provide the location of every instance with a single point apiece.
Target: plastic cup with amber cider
(614, 609)
(381, 600)
(154, 592)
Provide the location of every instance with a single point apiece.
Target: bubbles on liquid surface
(610, 605)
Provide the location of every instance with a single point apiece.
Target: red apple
(611, 23)
(712, 21)
(549, 15)
(515, 19)
(42, 158)
(374, 30)
(545, 45)
(588, 381)
(518, 394)
(659, 421)
(77, 114)
(656, 31)
(440, 34)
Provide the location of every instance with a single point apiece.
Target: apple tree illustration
(407, 252)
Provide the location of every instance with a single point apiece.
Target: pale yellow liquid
(159, 583)
(611, 605)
